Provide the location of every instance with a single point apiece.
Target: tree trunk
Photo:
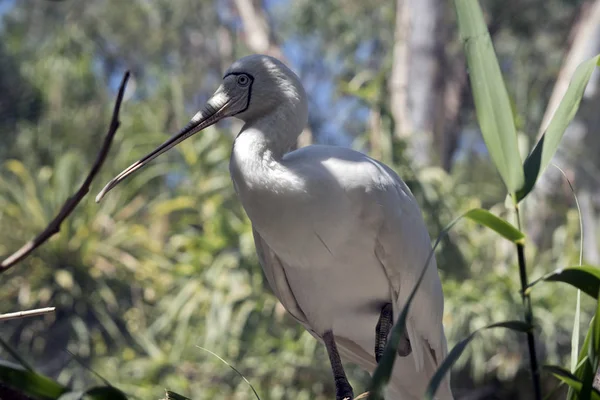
(398, 83)
(550, 187)
(425, 102)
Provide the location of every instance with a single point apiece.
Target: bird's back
(388, 210)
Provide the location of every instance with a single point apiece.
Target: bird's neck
(258, 150)
(274, 134)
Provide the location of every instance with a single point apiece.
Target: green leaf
(593, 351)
(586, 342)
(595, 339)
(565, 376)
(544, 150)
(492, 104)
(457, 351)
(30, 383)
(584, 368)
(498, 225)
(571, 380)
(586, 278)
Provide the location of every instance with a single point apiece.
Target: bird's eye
(243, 80)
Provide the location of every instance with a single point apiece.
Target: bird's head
(252, 87)
(261, 83)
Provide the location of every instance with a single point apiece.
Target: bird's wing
(273, 268)
(402, 247)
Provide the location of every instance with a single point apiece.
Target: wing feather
(402, 247)
(274, 269)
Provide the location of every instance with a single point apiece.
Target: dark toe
(343, 391)
(404, 349)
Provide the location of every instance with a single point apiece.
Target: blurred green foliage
(166, 262)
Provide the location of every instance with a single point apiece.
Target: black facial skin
(248, 85)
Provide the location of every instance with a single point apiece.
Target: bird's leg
(343, 390)
(382, 331)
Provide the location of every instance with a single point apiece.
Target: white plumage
(338, 234)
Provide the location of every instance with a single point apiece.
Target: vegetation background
(166, 263)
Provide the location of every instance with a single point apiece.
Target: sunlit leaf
(544, 150)
(492, 103)
(234, 369)
(497, 224)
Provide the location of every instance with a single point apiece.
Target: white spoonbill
(339, 235)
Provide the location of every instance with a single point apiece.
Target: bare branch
(28, 313)
(72, 202)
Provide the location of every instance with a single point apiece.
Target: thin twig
(28, 313)
(72, 202)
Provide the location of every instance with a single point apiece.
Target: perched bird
(339, 235)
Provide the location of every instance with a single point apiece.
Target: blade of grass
(233, 368)
(576, 320)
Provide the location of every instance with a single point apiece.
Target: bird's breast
(305, 210)
(309, 229)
